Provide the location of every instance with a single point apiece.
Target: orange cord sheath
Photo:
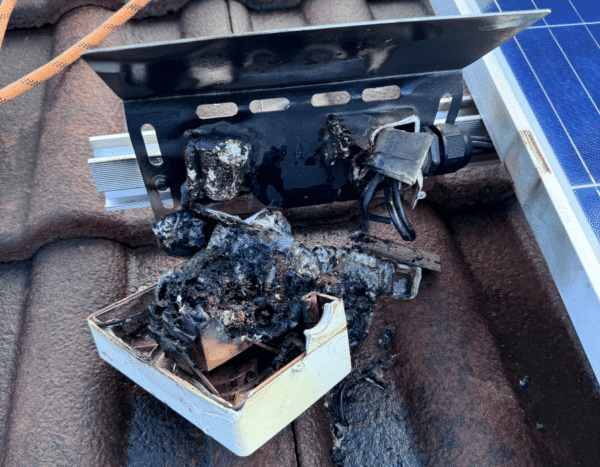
(5, 10)
(72, 53)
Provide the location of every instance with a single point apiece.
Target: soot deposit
(368, 417)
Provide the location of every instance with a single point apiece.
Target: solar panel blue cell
(589, 199)
(562, 11)
(588, 9)
(595, 32)
(573, 105)
(584, 55)
(557, 137)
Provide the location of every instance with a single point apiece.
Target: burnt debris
(181, 234)
(249, 287)
(217, 160)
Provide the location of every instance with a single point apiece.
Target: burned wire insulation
(355, 409)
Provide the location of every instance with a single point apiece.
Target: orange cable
(5, 10)
(66, 58)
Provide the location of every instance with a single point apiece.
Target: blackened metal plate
(163, 84)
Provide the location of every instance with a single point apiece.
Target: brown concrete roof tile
(65, 399)
(538, 341)
(290, 18)
(160, 437)
(462, 410)
(239, 16)
(382, 9)
(22, 52)
(14, 286)
(336, 11)
(36, 13)
(313, 436)
(63, 201)
(204, 19)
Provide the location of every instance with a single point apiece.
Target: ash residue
(251, 294)
(369, 418)
(357, 278)
(363, 280)
(386, 340)
(181, 234)
(292, 347)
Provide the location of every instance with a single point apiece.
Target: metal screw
(160, 182)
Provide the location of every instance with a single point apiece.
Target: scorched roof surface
(488, 370)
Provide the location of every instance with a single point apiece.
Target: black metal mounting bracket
(165, 84)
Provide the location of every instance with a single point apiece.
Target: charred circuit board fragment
(250, 285)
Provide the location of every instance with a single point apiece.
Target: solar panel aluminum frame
(559, 225)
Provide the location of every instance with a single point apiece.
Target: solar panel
(557, 64)
(539, 96)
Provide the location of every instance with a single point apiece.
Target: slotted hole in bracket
(385, 93)
(221, 110)
(276, 104)
(443, 108)
(149, 136)
(330, 98)
(165, 196)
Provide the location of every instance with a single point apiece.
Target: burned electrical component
(181, 234)
(252, 320)
(246, 400)
(248, 286)
(216, 164)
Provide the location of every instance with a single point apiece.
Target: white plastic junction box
(262, 412)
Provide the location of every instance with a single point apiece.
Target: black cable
(485, 139)
(401, 214)
(365, 197)
(391, 205)
(481, 144)
(347, 385)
